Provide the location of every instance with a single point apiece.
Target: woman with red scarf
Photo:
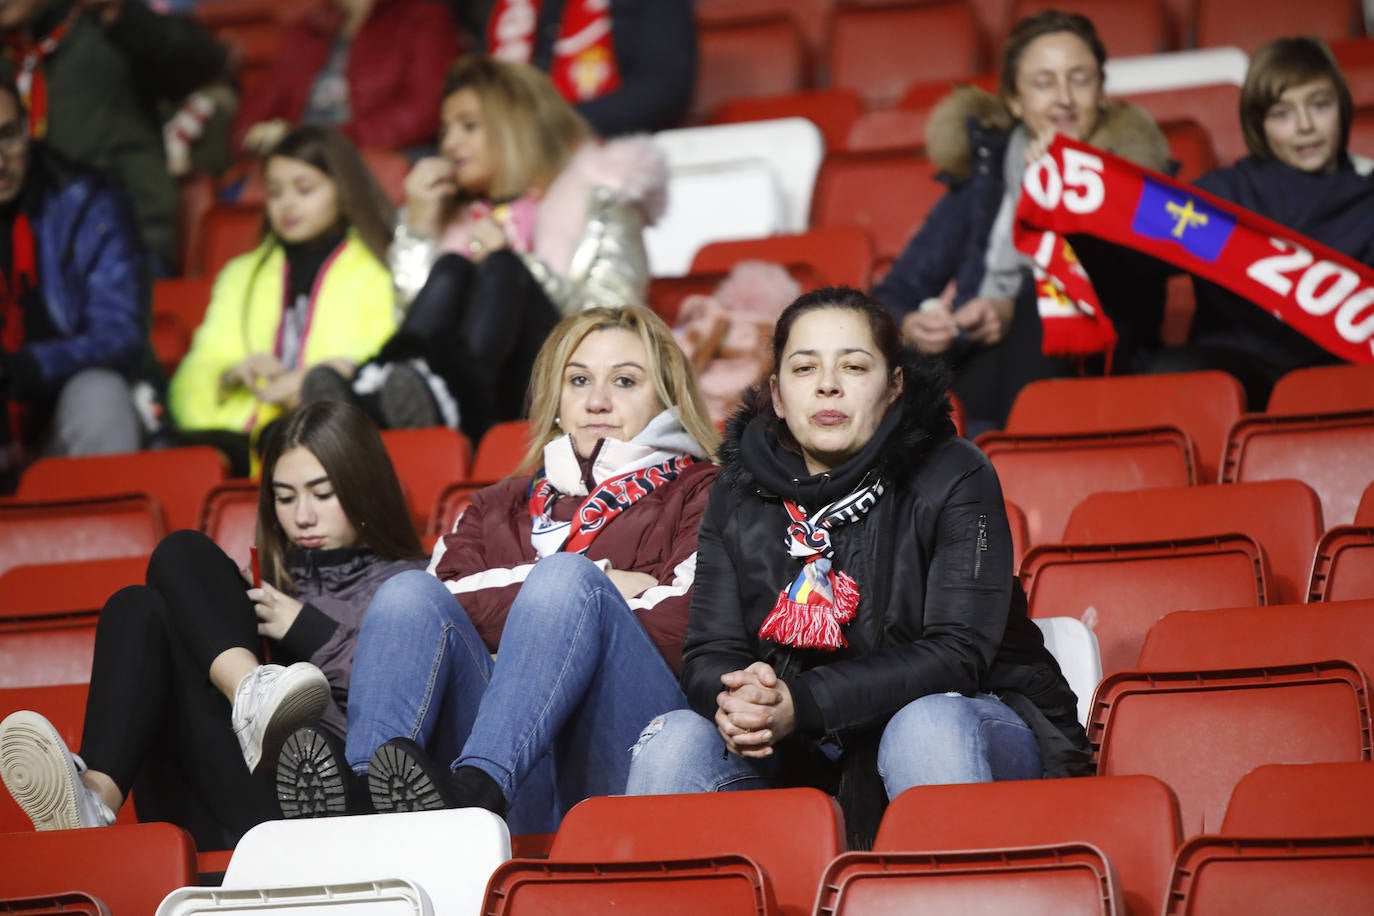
(579, 571)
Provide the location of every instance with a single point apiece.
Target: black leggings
(479, 327)
(154, 722)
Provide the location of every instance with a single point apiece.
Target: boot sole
(302, 706)
(35, 769)
(310, 781)
(399, 782)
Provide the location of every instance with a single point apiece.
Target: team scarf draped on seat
(1076, 188)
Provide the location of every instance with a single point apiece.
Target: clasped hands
(754, 711)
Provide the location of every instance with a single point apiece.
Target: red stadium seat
(501, 450)
(1280, 634)
(226, 232)
(1247, 24)
(1302, 799)
(718, 884)
(69, 904)
(811, 16)
(880, 49)
(1203, 404)
(886, 193)
(834, 111)
(1215, 874)
(837, 256)
(1213, 105)
(1073, 878)
(805, 831)
(888, 129)
(1343, 568)
(1323, 389)
(1356, 59)
(427, 460)
(1016, 521)
(178, 478)
(1317, 450)
(230, 518)
(1120, 590)
(1190, 145)
(749, 57)
(1364, 512)
(1282, 515)
(1047, 475)
(390, 168)
(1200, 731)
(178, 308)
(128, 868)
(1133, 819)
(450, 506)
(56, 530)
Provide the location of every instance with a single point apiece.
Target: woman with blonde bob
(524, 218)
(579, 569)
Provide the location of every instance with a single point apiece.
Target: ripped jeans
(937, 739)
(574, 682)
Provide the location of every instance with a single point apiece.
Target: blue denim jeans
(574, 682)
(937, 739)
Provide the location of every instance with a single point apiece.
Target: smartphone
(257, 572)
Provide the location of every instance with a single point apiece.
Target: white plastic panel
(708, 203)
(1074, 646)
(1176, 70)
(370, 898)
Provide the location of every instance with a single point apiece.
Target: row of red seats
(1287, 838)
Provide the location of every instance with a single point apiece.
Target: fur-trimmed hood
(1124, 129)
(917, 423)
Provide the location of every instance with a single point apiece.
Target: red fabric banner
(1076, 188)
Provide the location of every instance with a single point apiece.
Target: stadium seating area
(1205, 575)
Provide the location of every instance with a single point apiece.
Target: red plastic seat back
(426, 460)
(1133, 819)
(178, 478)
(834, 111)
(1289, 875)
(1247, 24)
(1205, 405)
(1120, 590)
(230, 518)
(720, 884)
(886, 193)
(56, 530)
(761, 56)
(1214, 105)
(805, 831)
(1280, 634)
(450, 506)
(226, 232)
(1303, 799)
(128, 867)
(1315, 450)
(1282, 515)
(501, 450)
(1127, 29)
(1048, 475)
(1073, 879)
(1343, 568)
(1323, 389)
(879, 50)
(1201, 731)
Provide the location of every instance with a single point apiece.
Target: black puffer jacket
(939, 607)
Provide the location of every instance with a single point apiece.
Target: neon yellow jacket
(351, 316)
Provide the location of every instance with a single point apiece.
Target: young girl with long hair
(316, 290)
(182, 706)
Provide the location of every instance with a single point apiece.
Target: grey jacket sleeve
(609, 267)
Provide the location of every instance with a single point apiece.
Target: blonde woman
(524, 218)
(579, 570)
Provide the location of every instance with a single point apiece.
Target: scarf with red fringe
(809, 613)
(1075, 188)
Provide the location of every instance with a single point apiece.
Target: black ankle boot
(474, 788)
(402, 777)
(314, 779)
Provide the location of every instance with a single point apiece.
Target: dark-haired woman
(181, 704)
(855, 624)
(989, 328)
(315, 291)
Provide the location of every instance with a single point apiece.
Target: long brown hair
(346, 443)
(672, 377)
(363, 205)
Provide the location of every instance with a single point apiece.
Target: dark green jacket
(103, 90)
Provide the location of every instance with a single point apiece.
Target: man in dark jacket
(71, 288)
(91, 74)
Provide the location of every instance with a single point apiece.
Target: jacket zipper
(980, 547)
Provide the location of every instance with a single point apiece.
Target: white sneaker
(271, 702)
(44, 777)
